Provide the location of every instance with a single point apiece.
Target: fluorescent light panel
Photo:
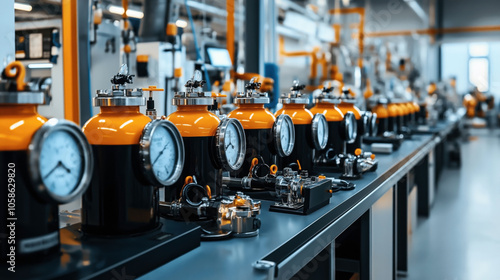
(130, 13)
(23, 7)
(181, 23)
(417, 9)
(40, 65)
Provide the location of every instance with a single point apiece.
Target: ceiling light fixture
(181, 23)
(40, 65)
(23, 7)
(130, 13)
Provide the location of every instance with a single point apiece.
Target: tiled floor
(461, 238)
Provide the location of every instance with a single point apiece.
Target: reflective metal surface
(22, 97)
(319, 141)
(220, 146)
(282, 120)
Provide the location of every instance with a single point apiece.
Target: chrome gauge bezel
(319, 119)
(220, 147)
(365, 119)
(281, 120)
(373, 124)
(35, 149)
(145, 152)
(350, 127)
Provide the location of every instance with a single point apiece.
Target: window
(478, 73)
(479, 68)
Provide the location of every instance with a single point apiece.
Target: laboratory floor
(461, 238)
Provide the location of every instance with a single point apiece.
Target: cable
(198, 54)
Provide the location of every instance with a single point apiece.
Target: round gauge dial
(284, 135)
(350, 127)
(320, 131)
(231, 145)
(60, 161)
(162, 152)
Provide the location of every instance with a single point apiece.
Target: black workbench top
(281, 234)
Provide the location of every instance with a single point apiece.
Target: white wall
(454, 59)
(7, 35)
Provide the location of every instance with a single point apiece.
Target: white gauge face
(285, 137)
(351, 127)
(61, 163)
(163, 153)
(232, 144)
(322, 131)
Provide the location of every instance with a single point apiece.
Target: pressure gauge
(320, 131)
(162, 152)
(349, 128)
(284, 135)
(373, 124)
(230, 144)
(60, 161)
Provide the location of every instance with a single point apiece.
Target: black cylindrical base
(383, 126)
(119, 200)
(359, 138)
(259, 145)
(199, 162)
(28, 226)
(303, 150)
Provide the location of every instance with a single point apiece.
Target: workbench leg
(365, 256)
(381, 242)
(401, 224)
(425, 181)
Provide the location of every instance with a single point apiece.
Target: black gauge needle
(161, 153)
(53, 169)
(229, 136)
(59, 164)
(64, 166)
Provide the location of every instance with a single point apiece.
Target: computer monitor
(219, 57)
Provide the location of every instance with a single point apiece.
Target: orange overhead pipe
(312, 54)
(361, 12)
(230, 29)
(434, 31)
(70, 61)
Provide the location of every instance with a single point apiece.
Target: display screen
(219, 57)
